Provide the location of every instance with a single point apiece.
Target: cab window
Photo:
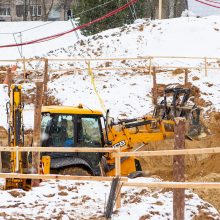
(57, 130)
(89, 132)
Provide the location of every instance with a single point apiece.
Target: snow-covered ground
(87, 200)
(127, 94)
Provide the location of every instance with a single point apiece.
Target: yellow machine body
(120, 136)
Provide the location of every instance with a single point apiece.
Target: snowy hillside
(18, 32)
(170, 37)
(127, 94)
(200, 9)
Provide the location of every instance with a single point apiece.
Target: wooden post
(150, 66)
(186, 77)
(37, 130)
(9, 80)
(160, 10)
(206, 66)
(154, 90)
(24, 69)
(179, 169)
(0, 162)
(118, 173)
(45, 81)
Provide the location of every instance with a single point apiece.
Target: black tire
(75, 171)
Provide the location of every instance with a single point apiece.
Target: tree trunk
(171, 8)
(46, 9)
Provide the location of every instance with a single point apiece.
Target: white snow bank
(32, 30)
(86, 200)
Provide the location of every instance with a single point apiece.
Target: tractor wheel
(75, 171)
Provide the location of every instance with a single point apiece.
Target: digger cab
(72, 127)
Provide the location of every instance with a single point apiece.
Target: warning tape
(94, 86)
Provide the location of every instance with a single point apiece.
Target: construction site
(123, 124)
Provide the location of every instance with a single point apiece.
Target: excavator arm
(16, 138)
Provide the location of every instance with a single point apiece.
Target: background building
(35, 10)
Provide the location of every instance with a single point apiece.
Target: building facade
(35, 10)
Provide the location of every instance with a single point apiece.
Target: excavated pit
(198, 168)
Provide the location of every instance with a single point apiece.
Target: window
(90, 133)
(57, 130)
(35, 10)
(19, 10)
(5, 11)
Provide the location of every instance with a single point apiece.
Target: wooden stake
(150, 66)
(37, 130)
(206, 66)
(45, 81)
(154, 90)
(24, 70)
(186, 77)
(160, 10)
(9, 79)
(179, 169)
(0, 162)
(118, 173)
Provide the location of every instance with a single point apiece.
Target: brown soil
(205, 168)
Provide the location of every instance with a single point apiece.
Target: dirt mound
(29, 97)
(204, 167)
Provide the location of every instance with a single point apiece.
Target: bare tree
(171, 8)
(65, 5)
(47, 6)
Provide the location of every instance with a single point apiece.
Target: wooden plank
(169, 152)
(8, 61)
(131, 68)
(121, 154)
(125, 58)
(176, 185)
(37, 130)
(74, 59)
(57, 149)
(57, 177)
(97, 59)
(179, 169)
(124, 180)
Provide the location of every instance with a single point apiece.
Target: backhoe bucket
(174, 105)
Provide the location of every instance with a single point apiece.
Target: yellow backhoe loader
(81, 127)
(64, 126)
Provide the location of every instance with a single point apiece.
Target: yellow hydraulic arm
(16, 137)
